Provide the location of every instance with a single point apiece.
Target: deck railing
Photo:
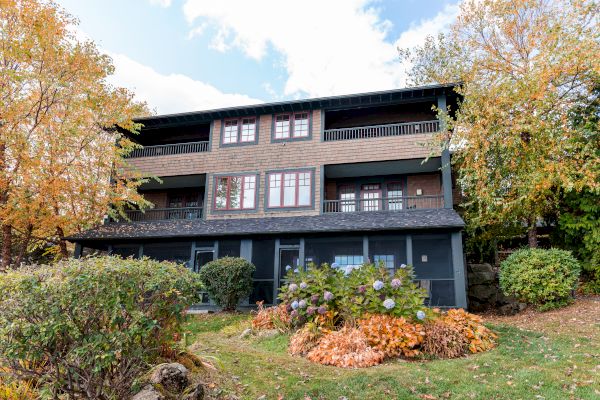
(158, 214)
(383, 204)
(170, 149)
(374, 131)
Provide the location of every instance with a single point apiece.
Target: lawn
(559, 358)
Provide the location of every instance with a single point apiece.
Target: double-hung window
(235, 192)
(242, 130)
(291, 126)
(290, 189)
(347, 195)
(394, 196)
(371, 197)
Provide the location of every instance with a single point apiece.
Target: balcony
(383, 204)
(375, 131)
(170, 149)
(160, 214)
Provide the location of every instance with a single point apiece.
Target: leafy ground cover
(552, 355)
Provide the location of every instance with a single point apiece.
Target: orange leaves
(479, 338)
(392, 336)
(346, 348)
(304, 340)
(271, 318)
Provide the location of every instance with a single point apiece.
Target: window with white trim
(292, 126)
(241, 130)
(290, 189)
(235, 192)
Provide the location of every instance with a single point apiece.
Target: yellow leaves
(391, 335)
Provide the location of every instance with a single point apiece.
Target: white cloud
(328, 47)
(172, 93)
(161, 3)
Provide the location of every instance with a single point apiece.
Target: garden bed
(541, 363)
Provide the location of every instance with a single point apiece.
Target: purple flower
(302, 303)
(389, 304)
(288, 267)
(396, 283)
(293, 287)
(420, 315)
(328, 296)
(382, 297)
(335, 265)
(362, 289)
(294, 304)
(378, 285)
(314, 298)
(296, 270)
(322, 310)
(294, 314)
(311, 310)
(303, 285)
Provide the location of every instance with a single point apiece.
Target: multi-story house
(344, 180)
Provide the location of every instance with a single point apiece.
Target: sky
(190, 55)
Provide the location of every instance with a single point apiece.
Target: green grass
(525, 365)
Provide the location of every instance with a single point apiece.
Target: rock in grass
(196, 394)
(148, 393)
(247, 332)
(172, 377)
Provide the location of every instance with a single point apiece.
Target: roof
(325, 223)
(333, 102)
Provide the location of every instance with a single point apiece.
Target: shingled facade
(342, 180)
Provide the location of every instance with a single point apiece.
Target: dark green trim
(239, 132)
(291, 138)
(460, 292)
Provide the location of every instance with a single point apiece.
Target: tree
(523, 66)
(62, 150)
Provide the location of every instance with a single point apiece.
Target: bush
(444, 340)
(227, 280)
(392, 336)
(478, 337)
(544, 278)
(346, 348)
(349, 295)
(89, 327)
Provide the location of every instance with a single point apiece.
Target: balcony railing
(158, 214)
(383, 204)
(170, 149)
(375, 131)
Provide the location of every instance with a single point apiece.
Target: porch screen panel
(263, 257)
(432, 258)
(389, 250)
(442, 293)
(229, 248)
(343, 250)
(178, 252)
(127, 250)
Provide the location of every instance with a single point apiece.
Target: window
(344, 261)
(239, 130)
(394, 196)
(347, 197)
(235, 192)
(291, 126)
(290, 189)
(371, 197)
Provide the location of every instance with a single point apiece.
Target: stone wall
(484, 293)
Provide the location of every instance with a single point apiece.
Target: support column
(366, 249)
(141, 250)
(276, 270)
(78, 250)
(460, 292)
(446, 167)
(301, 254)
(192, 262)
(409, 250)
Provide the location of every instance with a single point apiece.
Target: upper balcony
(176, 197)
(172, 140)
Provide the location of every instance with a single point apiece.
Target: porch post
(78, 250)
(460, 293)
(276, 270)
(446, 171)
(301, 254)
(409, 250)
(366, 249)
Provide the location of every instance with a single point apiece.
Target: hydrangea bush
(350, 293)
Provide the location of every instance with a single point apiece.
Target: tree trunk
(532, 236)
(62, 243)
(6, 248)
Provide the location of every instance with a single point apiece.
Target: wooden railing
(374, 131)
(158, 214)
(170, 149)
(383, 204)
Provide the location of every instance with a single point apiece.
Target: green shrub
(541, 277)
(227, 280)
(88, 327)
(350, 294)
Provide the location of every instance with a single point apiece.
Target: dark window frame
(240, 123)
(297, 172)
(228, 192)
(292, 118)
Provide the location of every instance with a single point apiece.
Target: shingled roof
(334, 222)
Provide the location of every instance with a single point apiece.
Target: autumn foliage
(271, 318)
(393, 336)
(479, 337)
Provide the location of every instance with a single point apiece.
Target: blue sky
(185, 55)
